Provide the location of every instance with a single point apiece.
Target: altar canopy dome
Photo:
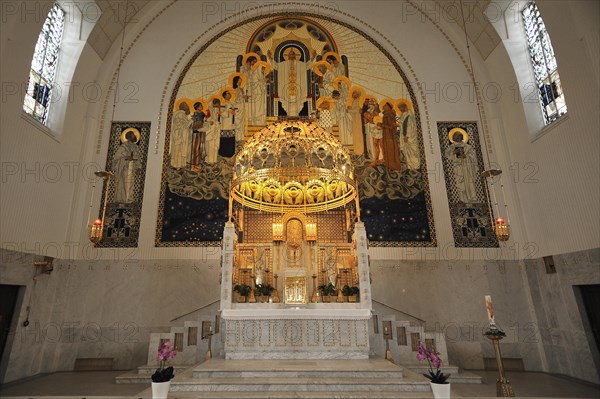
(293, 166)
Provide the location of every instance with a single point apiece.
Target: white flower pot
(440, 391)
(160, 390)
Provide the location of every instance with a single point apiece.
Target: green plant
(242, 289)
(264, 289)
(350, 291)
(327, 289)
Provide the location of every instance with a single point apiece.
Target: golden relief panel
(295, 290)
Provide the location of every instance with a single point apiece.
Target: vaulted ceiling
(479, 30)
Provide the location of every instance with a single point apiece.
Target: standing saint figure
(325, 120)
(408, 136)
(198, 136)
(463, 161)
(342, 117)
(228, 121)
(181, 136)
(327, 77)
(337, 68)
(370, 111)
(126, 164)
(213, 131)
(239, 104)
(258, 96)
(391, 153)
(357, 126)
(292, 86)
(256, 89)
(331, 267)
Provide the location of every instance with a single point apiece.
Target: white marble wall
(109, 309)
(449, 296)
(564, 341)
(100, 309)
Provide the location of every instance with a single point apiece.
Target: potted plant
(243, 290)
(265, 290)
(326, 291)
(351, 293)
(161, 379)
(439, 381)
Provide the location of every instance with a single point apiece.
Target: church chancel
(294, 240)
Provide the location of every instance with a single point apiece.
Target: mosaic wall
(303, 66)
(127, 155)
(463, 164)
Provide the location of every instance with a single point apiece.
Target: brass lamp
(97, 228)
(501, 226)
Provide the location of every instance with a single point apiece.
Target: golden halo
(341, 78)
(217, 97)
(361, 98)
(336, 55)
(405, 101)
(241, 75)
(377, 119)
(319, 63)
(230, 90)
(199, 100)
(262, 64)
(247, 55)
(286, 53)
(458, 130)
(184, 100)
(388, 100)
(130, 129)
(321, 100)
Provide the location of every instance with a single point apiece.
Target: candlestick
(314, 298)
(503, 387)
(275, 291)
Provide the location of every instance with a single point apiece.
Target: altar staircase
(406, 332)
(311, 379)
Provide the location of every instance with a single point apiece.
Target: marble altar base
(297, 334)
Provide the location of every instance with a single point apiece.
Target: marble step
(456, 376)
(291, 395)
(143, 375)
(267, 376)
(299, 384)
(218, 368)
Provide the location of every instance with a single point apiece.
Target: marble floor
(101, 385)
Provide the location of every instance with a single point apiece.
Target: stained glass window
(43, 66)
(552, 98)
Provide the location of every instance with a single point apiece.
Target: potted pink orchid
(161, 379)
(439, 381)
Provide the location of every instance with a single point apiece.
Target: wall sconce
(44, 266)
(311, 231)
(277, 231)
(97, 228)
